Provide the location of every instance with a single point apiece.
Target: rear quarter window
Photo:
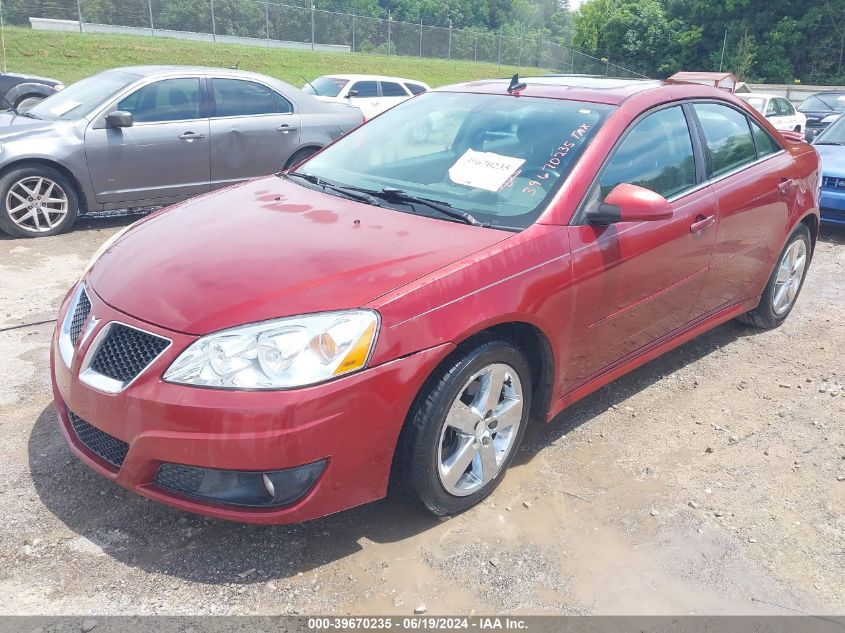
(728, 136)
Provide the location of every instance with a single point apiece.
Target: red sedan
(403, 304)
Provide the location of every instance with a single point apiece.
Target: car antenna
(236, 66)
(310, 84)
(516, 86)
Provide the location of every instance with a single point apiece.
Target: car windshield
(325, 86)
(833, 134)
(81, 98)
(823, 103)
(499, 158)
(758, 103)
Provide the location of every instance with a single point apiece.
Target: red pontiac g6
(404, 303)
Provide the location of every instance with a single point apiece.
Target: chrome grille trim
(67, 342)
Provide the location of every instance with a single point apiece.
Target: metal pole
(476, 47)
(353, 32)
(152, 26)
(540, 53)
(450, 39)
(500, 49)
(724, 42)
(267, 21)
(312, 26)
(389, 20)
(79, 13)
(519, 53)
(420, 36)
(213, 24)
(3, 35)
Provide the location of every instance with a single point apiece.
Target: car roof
(150, 71)
(595, 88)
(353, 77)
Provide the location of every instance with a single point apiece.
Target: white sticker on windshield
(64, 108)
(484, 170)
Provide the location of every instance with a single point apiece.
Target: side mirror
(352, 93)
(119, 118)
(630, 203)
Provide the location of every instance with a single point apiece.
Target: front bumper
(350, 425)
(832, 206)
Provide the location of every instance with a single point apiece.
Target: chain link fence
(265, 23)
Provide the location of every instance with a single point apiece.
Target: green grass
(72, 56)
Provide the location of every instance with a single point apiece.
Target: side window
(392, 89)
(367, 89)
(656, 154)
(788, 107)
(728, 137)
(771, 107)
(765, 144)
(165, 100)
(415, 89)
(235, 97)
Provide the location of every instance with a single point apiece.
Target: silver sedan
(152, 135)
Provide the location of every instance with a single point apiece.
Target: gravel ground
(710, 481)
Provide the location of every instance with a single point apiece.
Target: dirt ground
(711, 481)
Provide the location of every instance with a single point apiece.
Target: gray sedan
(152, 135)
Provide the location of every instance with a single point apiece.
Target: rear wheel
(299, 156)
(37, 201)
(797, 128)
(465, 428)
(26, 103)
(785, 283)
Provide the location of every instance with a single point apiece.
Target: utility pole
(724, 43)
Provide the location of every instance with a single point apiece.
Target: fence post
(519, 53)
(449, 53)
(213, 24)
(476, 47)
(389, 20)
(152, 26)
(420, 36)
(353, 32)
(312, 26)
(540, 53)
(267, 21)
(79, 15)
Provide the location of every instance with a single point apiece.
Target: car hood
(271, 248)
(833, 159)
(13, 126)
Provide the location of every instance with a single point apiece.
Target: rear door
(392, 93)
(365, 97)
(635, 283)
(749, 174)
(254, 130)
(163, 156)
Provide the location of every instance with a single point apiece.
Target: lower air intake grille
(184, 479)
(80, 315)
(126, 352)
(99, 442)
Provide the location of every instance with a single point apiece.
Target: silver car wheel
(790, 274)
(36, 204)
(480, 430)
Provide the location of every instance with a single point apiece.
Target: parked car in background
(830, 144)
(152, 135)
(400, 308)
(21, 92)
(778, 110)
(821, 110)
(373, 94)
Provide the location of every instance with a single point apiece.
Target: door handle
(190, 136)
(785, 186)
(701, 223)
(285, 128)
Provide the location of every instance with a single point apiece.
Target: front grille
(184, 479)
(108, 448)
(80, 315)
(125, 352)
(829, 182)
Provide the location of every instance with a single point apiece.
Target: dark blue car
(831, 147)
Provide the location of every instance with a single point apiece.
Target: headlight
(103, 248)
(279, 354)
(830, 118)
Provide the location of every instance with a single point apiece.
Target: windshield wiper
(444, 208)
(350, 192)
(28, 115)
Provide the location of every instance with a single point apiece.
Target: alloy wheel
(790, 274)
(37, 204)
(480, 430)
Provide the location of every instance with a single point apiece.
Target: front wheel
(785, 282)
(465, 428)
(36, 201)
(27, 103)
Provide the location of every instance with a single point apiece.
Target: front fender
(27, 90)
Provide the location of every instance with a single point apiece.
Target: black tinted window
(365, 88)
(765, 143)
(392, 89)
(656, 154)
(166, 100)
(234, 97)
(728, 136)
(415, 89)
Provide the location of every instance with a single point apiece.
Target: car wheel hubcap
(790, 274)
(36, 204)
(480, 430)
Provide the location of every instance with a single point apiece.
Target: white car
(778, 110)
(372, 94)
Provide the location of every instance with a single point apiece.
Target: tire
(772, 310)
(27, 102)
(299, 156)
(429, 442)
(797, 128)
(48, 218)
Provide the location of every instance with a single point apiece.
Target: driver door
(635, 283)
(163, 157)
